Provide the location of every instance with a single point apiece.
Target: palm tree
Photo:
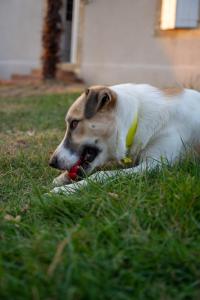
(51, 36)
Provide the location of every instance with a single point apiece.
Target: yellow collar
(130, 139)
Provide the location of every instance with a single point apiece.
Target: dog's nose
(53, 162)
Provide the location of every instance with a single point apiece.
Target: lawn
(132, 238)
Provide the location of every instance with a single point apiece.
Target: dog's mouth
(81, 168)
(88, 155)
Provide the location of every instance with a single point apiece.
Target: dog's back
(166, 108)
(186, 114)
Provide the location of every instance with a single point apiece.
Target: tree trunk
(51, 37)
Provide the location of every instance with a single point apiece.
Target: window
(179, 14)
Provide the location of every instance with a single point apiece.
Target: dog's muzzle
(86, 155)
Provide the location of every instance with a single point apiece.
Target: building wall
(122, 43)
(20, 36)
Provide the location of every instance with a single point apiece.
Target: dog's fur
(168, 123)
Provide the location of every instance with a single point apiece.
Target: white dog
(131, 121)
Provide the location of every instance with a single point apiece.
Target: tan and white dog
(105, 123)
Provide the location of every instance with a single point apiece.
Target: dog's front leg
(63, 179)
(103, 176)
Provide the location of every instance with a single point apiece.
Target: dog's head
(89, 136)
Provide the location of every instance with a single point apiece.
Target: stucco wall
(121, 44)
(20, 36)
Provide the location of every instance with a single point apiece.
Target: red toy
(73, 172)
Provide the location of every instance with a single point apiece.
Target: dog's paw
(70, 188)
(62, 179)
(66, 189)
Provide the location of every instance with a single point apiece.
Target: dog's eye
(74, 124)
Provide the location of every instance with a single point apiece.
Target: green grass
(132, 238)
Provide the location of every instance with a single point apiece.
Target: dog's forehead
(77, 109)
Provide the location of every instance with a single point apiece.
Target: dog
(134, 122)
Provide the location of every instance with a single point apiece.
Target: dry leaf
(11, 218)
(113, 195)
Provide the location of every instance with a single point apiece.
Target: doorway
(70, 26)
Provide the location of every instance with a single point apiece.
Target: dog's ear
(96, 100)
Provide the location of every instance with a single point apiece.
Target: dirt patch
(11, 107)
(9, 89)
(12, 141)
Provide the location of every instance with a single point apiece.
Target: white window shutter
(187, 13)
(168, 14)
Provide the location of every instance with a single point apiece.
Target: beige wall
(20, 36)
(121, 44)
